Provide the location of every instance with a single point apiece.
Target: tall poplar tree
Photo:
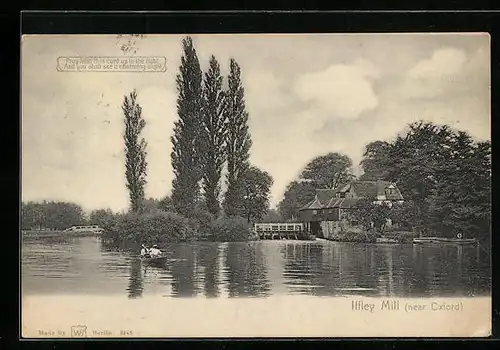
(238, 142)
(135, 151)
(213, 153)
(186, 138)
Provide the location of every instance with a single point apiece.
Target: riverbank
(55, 233)
(401, 237)
(278, 316)
(165, 227)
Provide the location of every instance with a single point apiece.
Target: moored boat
(441, 240)
(386, 240)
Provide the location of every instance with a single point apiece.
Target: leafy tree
(135, 151)
(100, 217)
(32, 216)
(256, 188)
(403, 215)
(369, 215)
(272, 216)
(417, 157)
(213, 137)
(186, 139)
(297, 195)
(444, 176)
(51, 215)
(166, 204)
(376, 161)
(151, 205)
(461, 202)
(328, 171)
(238, 141)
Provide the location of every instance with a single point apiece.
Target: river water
(52, 266)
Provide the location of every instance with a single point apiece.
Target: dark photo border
(185, 22)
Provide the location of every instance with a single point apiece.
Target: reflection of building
(246, 271)
(326, 213)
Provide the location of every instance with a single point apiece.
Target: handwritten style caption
(141, 64)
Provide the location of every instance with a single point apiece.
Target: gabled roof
(325, 195)
(372, 189)
(315, 204)
(346, 203)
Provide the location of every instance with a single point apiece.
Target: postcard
(263, 185)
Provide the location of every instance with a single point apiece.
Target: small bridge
(290, 230)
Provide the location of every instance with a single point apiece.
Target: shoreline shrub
(401, 236)
(163, 227)
(355, 237)
(229, 229)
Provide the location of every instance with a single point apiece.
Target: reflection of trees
(247, 272)
(308, 268)
(358, 272)
(428, 271)
(208, 255)
(183, 270)
(385, 270)
(135, 284)
(297, 268)
(329, 269)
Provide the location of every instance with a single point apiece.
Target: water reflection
(208, 260)
(183, 270)
(135, 286)
(256, 269)
(246, 270)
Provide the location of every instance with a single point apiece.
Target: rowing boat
(153, 260)
(440, 240)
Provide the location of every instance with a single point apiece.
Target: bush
(156, 227)
(229, 229)
(401, 236)
(161, 227)
(200, 221)
(355, 237)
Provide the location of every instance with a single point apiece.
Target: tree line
(211, 132)
(443, 174)
(60, 215)
(51, 215)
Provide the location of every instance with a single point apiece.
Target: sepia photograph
(255, 185)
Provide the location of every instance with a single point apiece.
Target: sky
(306, 95)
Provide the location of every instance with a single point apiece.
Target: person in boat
(144, 251)
(154, 251)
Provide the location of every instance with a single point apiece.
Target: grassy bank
(355, 237)
(162, 227)
(371, 236)
(401, 236)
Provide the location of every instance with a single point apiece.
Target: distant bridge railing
(279, 230)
